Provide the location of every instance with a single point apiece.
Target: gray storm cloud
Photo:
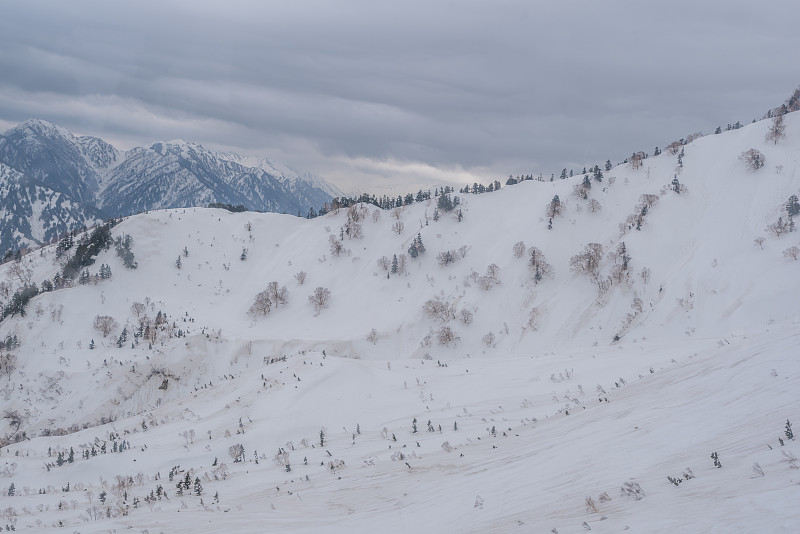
(364, 90)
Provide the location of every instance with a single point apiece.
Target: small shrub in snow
(488, 339)
(759, 472)
(792, 252)
(632, 489)
(372, 337)
(590, 505)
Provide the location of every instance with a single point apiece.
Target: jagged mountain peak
(101, 181)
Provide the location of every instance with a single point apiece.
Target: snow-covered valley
(475, 388)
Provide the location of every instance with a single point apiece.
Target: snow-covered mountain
(521, 374)
(98, 179)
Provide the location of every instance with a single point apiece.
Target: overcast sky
(368, 92)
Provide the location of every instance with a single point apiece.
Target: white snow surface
(537, 431)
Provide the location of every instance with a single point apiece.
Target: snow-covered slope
(561, 404)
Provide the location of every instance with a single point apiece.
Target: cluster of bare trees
(587, 261)
(8, 363)
(539, 266)
(271, 297)
(636, 159)
(637, 218)
(446, 257)
(780, 227)
(440, 309)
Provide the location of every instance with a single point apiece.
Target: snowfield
(555, 405)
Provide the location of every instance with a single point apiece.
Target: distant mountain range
(52, 181)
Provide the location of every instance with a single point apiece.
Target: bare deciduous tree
(554, 208)
(488, 339)
(446, 335)
(402, 263)
(21, 272)
(533, 318)
(300, 277)
(138, 308)
(594, 206)
(693, 136)
(398, 227)
(778, 228)
(466, 316)
(440, 309)
(277, 294)
(105, 324)
(538, 264)
(759, 242)
(486, 282)
(777, 130)
(636, 160)
(336, 246)
(353, 229)
(384, 263)
(320, 299)
(372, 337)
(261, 304)
(674, 147)
(519, 249)
(792, 252)
(647, 199)
(446, 257)
(356, 213)
(237, 452)
(753, 159)
(587, 261)
(8, 363)
(645, 275)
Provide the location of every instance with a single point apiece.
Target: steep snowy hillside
(525, 372)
